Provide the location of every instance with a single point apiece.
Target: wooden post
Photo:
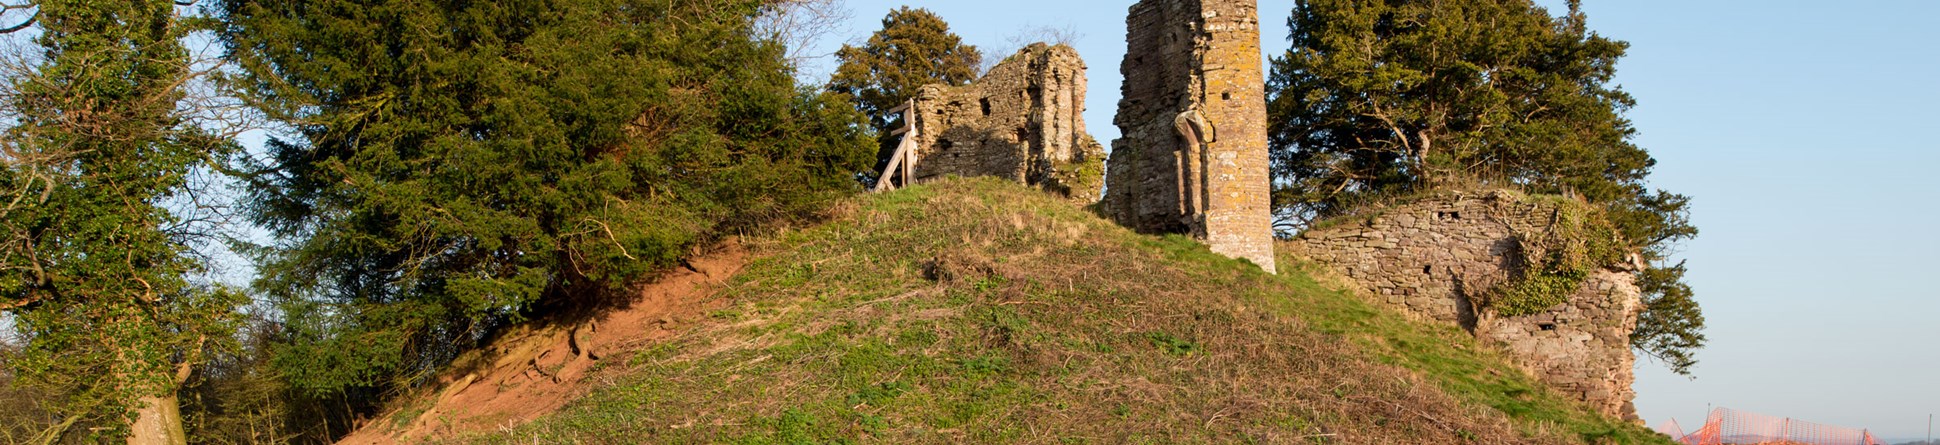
(887, 181)
(909, 151)
(903, 160)
(908, 145)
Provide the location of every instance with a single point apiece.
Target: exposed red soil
(536, 369)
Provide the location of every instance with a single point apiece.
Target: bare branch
(23, 25)
(801, 25)
(1027, 35)
(6, 8)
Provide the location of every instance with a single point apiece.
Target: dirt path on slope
(535, 370)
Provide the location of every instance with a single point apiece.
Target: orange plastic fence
(1728, 426)
(1670, 427)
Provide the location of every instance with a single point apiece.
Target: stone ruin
(1193, 158)
(1023, 121)
(1436, 257)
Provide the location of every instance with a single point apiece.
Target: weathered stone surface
(1193, 156)
(1024, 121)
(1436, 256)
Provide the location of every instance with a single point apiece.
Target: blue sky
(1804, 130)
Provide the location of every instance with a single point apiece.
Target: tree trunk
(158, 422)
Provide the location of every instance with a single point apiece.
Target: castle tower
(1193, 156)
(1022, 121)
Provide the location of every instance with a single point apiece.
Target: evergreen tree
(93, 264)
(914, 48)
(1387, 98)
(1671, 326)
(458, 165)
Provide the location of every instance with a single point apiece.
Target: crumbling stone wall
(1436, 257)
(1024, 121)
(1193, 157)
(1582, 347)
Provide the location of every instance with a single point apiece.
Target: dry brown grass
(976, 311)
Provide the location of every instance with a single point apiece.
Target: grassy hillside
(979, 311)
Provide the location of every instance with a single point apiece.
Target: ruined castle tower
(1022, 121)
(1193, 156)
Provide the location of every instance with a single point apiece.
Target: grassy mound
(979, 311)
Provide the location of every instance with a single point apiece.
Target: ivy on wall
(1557, 258)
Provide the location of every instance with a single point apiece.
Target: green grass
(1473, 373)
(979, 311)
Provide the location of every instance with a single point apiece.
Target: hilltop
(979, 310)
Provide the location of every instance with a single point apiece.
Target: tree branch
(23, 25)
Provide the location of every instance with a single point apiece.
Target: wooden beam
(903, 161)
(887, 181)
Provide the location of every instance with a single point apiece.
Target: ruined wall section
(1582, 347)
(1435, 257)
(1023, 121)
(1193, 156)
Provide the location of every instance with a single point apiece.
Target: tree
(914, 48)
(800, 25)
(1027, 35)
(1379, 99)
(94, 265)
(458, 166)
(1670, 327)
